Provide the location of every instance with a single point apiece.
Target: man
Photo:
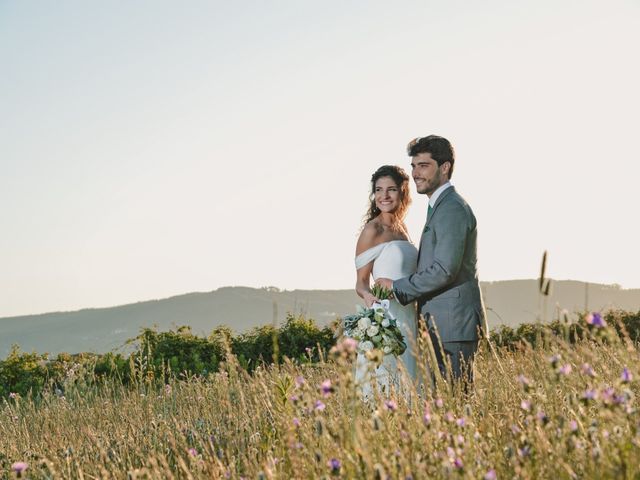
(446, 281)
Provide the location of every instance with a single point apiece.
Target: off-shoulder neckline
(382, 243)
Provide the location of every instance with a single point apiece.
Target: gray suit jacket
(446, 281)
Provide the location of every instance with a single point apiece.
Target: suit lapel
(435, 207)
(442, 196)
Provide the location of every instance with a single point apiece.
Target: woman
(385, 251)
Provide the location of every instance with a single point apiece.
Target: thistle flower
(596, 320)
(192, 452)
(491, 475)
(19, 467)
(319, 406)
(587, 370)
(335, 465)
(439, 403)
(296, 422)
(325, 388)
(626, 376)
(525, 382)
(461, 422)
(573, 426)
(525, 405)
(565, 369)
(391, 405)
(299, 381)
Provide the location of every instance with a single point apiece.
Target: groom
(446, 281)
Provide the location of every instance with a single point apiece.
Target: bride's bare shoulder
(369, 237)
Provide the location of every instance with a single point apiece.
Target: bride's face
(386, 195)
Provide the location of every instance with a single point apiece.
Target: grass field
(562, 411)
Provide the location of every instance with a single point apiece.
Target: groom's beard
(430, 185)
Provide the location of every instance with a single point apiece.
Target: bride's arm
(366, 241)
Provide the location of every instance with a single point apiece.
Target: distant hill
(102, 329)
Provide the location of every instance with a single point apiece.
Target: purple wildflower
(458, 463)
(167, 389)
(461, 422)
(349, 345)
(326, 388)
(459, 439)
(626, 376)
(589, 395)
(565, 369)
(596, 320)
(296, 422)
(449, 417)
(524, 381)
(19, 467)
(335, 465)
(192, 452)
(525, 405)
(299, 381)
(542, 417)
(13, 395)
(573, 426)
(439, 403)
(554, 360)
(294, 398)
(490, 475)
(391, 405)
(587, 370)
(427, 415)
(525, 451)
(319, 405)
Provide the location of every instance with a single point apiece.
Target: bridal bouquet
(375, 328)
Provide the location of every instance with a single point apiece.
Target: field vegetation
(554, 401)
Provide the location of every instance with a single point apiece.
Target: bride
(384, 251)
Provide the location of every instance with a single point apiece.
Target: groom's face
(427, 174)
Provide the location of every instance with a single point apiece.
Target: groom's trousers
(459, 354)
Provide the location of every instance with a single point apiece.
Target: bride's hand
(370, 299)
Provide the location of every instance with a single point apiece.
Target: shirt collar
(434, 197)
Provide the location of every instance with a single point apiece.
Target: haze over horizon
(150, 150)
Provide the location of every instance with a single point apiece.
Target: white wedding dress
(393, 260)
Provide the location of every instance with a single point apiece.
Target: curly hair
(401, 179)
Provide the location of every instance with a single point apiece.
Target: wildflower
(596, 320)
(13, 395)
(459, 439)
(296, 422)
(589, 395)
(573, 426)
(299, 381)
(554, 360)
(524, 381)
(167, 389)
(587, 370)
(525, 405)
(391, 405)
(439, 403)
(542, 417)
(626, 376)
(490, 475)
(349, 345)
(458, 463)
(427, 417)
(319, 405)
(294, 398)
(326, 388)
(461, 422)
(449, 417)
(525, 451)
(193, 452)
(19, 467)
(335, 465)
(565, 369)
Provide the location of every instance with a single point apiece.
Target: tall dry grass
(563, 411)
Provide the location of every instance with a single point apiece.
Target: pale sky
(155, 148)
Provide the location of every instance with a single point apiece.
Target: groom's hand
(385, 283)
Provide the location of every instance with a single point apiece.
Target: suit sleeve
(451, 227)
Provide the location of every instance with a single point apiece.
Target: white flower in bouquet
(387, 349)
(385, 322)
(366, 346)
(364, 323)
(373, 330)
